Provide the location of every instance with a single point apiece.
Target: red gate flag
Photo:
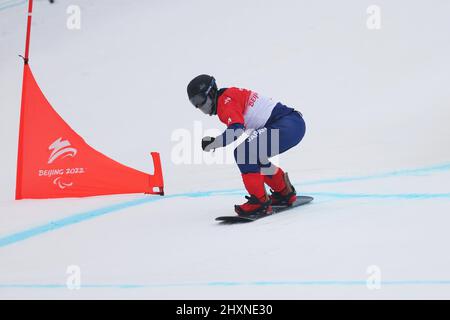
(55, 162)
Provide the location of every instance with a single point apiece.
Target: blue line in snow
(235, 284)
(405, 196)
(77, 218)
(54, 225)
(391, 174)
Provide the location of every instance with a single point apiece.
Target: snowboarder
(274, 128)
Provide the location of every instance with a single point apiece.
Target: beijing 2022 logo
(60, 150)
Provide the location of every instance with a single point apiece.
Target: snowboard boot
(258, 201)
(282, 191)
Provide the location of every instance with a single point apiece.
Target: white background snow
(376, 155)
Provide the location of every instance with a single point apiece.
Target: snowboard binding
(257, 206)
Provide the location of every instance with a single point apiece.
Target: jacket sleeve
(230, 135)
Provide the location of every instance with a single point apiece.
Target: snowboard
(301, 200)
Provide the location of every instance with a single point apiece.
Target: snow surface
(376, 155)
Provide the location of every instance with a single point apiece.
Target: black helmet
(202, 92)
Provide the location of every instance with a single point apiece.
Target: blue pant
(275, 138)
